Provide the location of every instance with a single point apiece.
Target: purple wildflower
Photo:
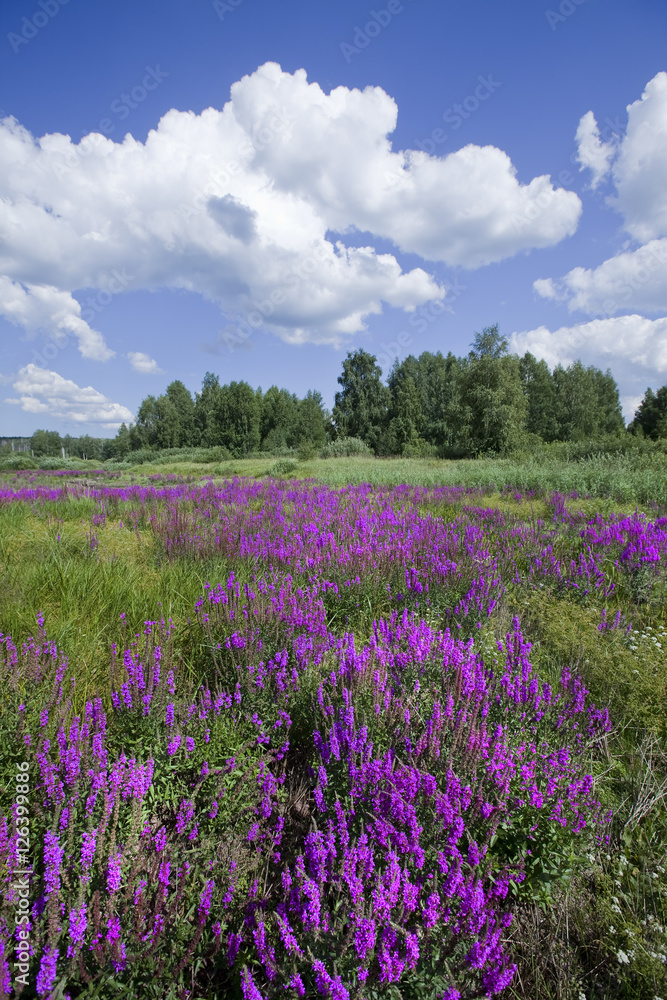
(46, 976)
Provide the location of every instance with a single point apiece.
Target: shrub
(345, 448)
(285, 467)
(306, 451)
(17, 463)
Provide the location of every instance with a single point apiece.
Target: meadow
(343, 728)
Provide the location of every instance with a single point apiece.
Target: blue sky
(256, 188)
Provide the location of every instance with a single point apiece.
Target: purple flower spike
(46, 976)
(250, 991)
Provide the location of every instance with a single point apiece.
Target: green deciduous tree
(587, 403)
(312, 420)
(120, 445)
(87, 447)
(236, 417)
(489, 343)
(405, 415)
(143, 433)
(166, 423)
(205, 403)
(609, 409)
(186, 434)
(360, 408)
(651, 418)
(493, 405)
(278, 419)
(43, 443)
(439, 383)
(540, 389)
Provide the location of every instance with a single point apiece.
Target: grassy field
(636, 476)
(593, 924)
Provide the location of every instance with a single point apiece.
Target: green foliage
(17, 462)
(285, 467)
(489, 344)
(185, 433)
(493, 404)
(587, 403)
(306, 450)
(540, 389)
(651, 417)
(204, 407)
(489, 403)
(236, 414)
(361, 406)
(121, 443)
(405, 414)
(438, 381)
(45, 443)
(287, 421)
(344, 447)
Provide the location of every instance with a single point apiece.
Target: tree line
(487, 402)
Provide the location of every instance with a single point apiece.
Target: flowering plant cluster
(318, 812)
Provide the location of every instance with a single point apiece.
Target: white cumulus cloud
(634, 278)
(45, 392)
(640, 169)
(44, 307)
(143, 363)
(591, 151)
(239, 205)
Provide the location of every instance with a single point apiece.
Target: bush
(345, 447)
(142, 455)
(307, 450)
(285, 467)
(202, 456)
(17, 463)
(616, 445)
(50, 464)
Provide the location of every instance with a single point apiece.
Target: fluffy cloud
(144, 364)
(591, 151)
(45, 392)
(238, 205)
(44, 307)
(633, 279)
(640, 168)
(636, 279)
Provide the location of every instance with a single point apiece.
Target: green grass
(631, 479)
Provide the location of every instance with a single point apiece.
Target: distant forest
(488, 402)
